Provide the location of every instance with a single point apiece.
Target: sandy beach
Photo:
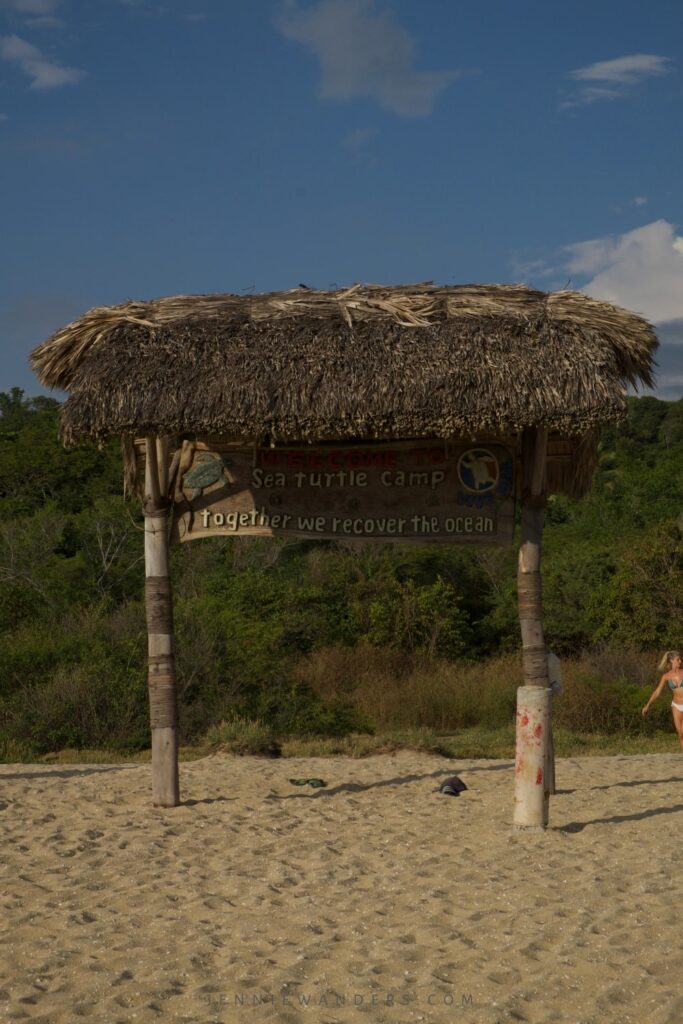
(376, 898)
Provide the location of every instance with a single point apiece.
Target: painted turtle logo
(478, 470)
(207, 470)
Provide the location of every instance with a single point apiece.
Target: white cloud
(362, 52)
(624, 70)
(526, 269)
(44, 74)
(641, 270)
(36, 13)
(356, 145)
(612, 79)
(145, 8)
(356, 139)
(37, 7)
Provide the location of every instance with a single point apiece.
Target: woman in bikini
(672, 666)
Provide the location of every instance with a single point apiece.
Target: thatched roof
(371, 362)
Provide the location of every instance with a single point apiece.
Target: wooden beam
(538, 462)
(161, 662)
(152, 489)
(531, 795)
(532, 771)
(162, 447)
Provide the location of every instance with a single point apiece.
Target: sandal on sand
(453, 786)
(316, 783)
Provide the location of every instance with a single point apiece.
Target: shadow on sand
(617, 819)
(67, 773)
(359, 787)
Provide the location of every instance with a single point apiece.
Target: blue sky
(153, 148)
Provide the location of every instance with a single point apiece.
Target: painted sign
(421, 491)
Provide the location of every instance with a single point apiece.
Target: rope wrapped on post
(534, 656)
(156, 508)
(529, 595)
(163, 708)
(159, 605)
(535, 665)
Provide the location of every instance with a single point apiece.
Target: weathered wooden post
(533, 698)
(158, 601)
(550, 756)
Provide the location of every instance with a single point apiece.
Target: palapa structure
(540, 371)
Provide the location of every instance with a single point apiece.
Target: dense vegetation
(324, 637)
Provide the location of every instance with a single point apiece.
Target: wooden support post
(549, 772)
(533, 699)
(531, 795)
(159, 606)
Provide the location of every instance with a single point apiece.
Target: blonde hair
(667, 659)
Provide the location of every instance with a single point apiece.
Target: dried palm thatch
(368, 362)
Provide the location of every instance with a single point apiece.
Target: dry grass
(399, 691)
(621, 664)
(469, 743)
(448, 708)
(241, 736)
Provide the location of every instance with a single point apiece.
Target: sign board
(421, 491)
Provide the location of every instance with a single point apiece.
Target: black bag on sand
(453, 786)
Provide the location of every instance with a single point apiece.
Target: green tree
(642, 604)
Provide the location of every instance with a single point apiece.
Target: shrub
(604, 704)
(81, 706)
(242, 736)
(398, 690)
(295, 709)
(13, 751)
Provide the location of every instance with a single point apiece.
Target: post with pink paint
(534, 772)
(532, 789)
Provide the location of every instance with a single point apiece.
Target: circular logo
(478, 470)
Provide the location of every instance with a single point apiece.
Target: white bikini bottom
(679, 707)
